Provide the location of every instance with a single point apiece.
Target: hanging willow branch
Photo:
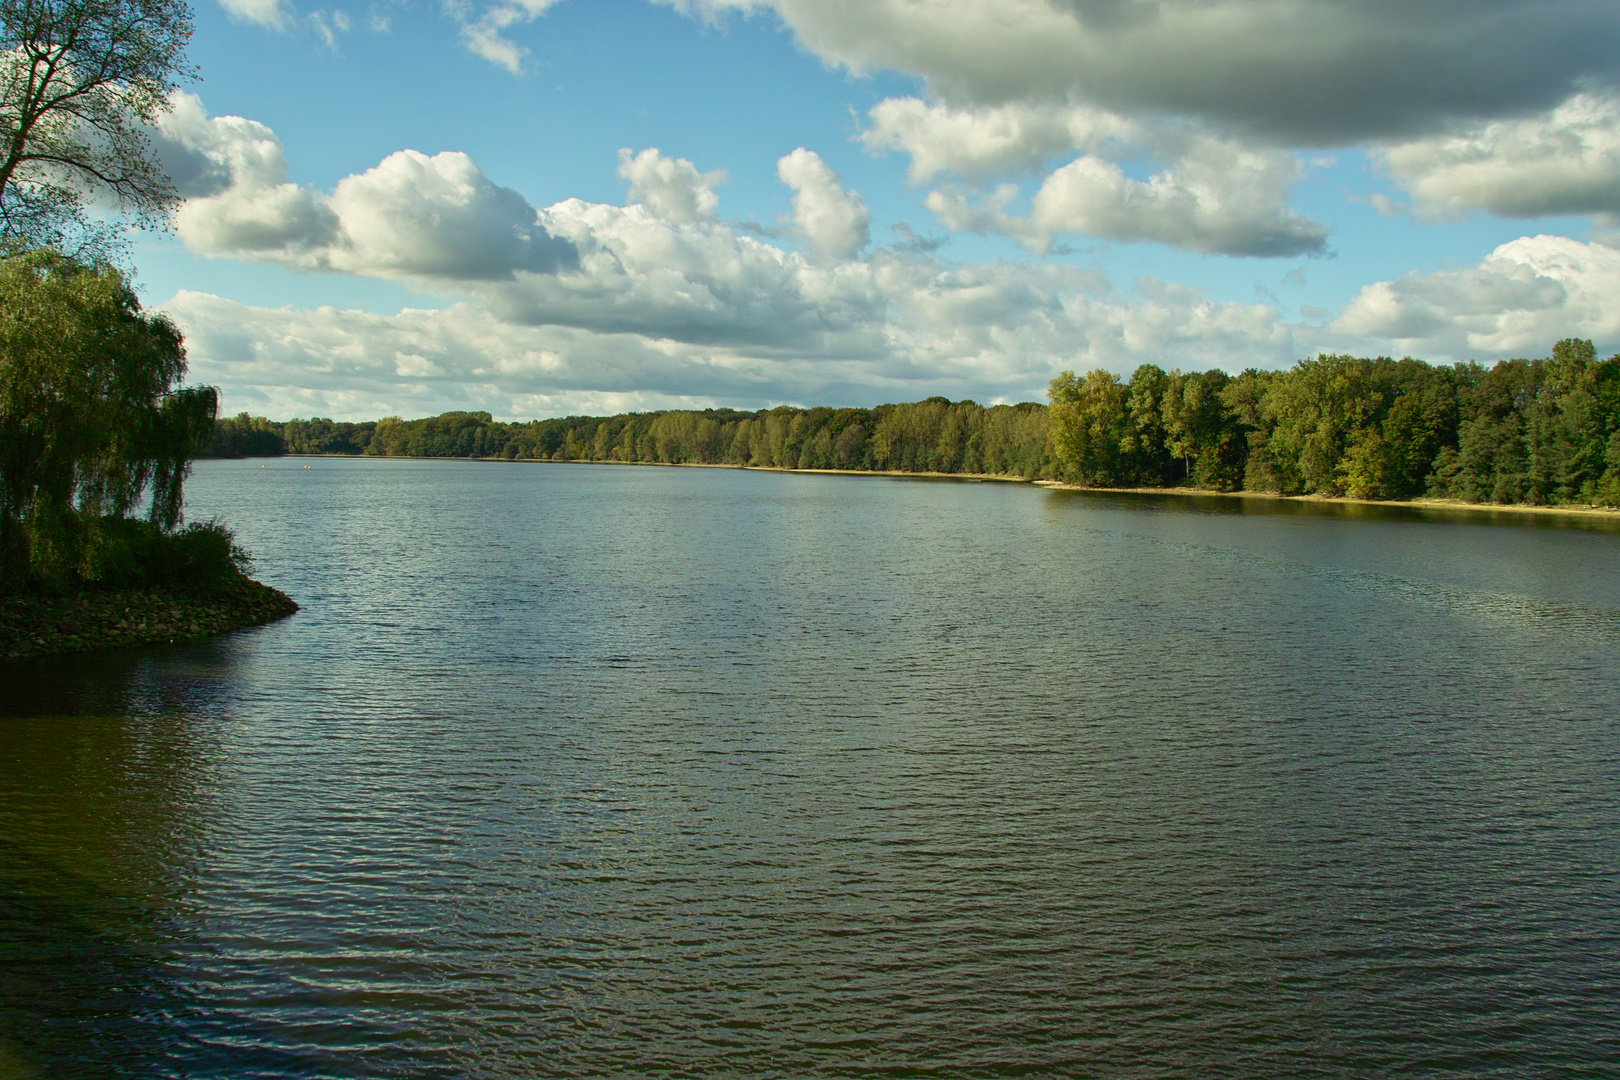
(93, 421)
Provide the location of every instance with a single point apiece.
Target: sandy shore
(1606, 513)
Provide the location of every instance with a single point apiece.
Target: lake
(592, 770)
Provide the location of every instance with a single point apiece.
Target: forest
(1538, 432)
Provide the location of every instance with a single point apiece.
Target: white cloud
(1216, 197)
(204, 156)
(1564, 161)
(482, 30)
(671, 187)
(1522, 296)
(436, 219)
(327, 25)
(584, 306)
(233, 172)
(702, 283)
(273, 14)
(834, 222)
(1211, 195)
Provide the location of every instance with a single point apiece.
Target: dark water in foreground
(593, 771)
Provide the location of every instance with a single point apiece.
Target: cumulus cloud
(1328, 72)
(1563, 161)
(438, 217)
(323, 361)
(583, 306)
(657, 303)
(1511, 106)
(204, 155)
(1212, 195)
(672, 188)
(232, 173)
(1217, 198)
(412, 216)
(703, 283)
(834, 222)
(1526, 293)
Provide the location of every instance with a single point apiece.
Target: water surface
(588, 770)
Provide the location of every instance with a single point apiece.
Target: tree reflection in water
(105, 784)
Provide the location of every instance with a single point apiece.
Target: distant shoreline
(1001, 478)
(1601, 513)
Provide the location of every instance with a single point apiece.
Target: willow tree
(82, 82)
(94, 423)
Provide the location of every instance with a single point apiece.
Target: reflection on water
(100, 818)
(583, 771)
(1480, 514)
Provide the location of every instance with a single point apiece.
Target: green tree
(81, 84)
(1145, 456)
(1086, 424)
(92, 417)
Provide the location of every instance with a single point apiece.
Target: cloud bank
(662, 302)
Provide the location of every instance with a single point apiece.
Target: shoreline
(120, 618)
(1602, 513)
(1607, 513)
(1005, 478)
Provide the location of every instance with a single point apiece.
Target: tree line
(1523, 431)
(936, 435)
(1540, 432)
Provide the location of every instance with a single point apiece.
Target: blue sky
(988, 191)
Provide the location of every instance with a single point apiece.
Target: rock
(91, 620)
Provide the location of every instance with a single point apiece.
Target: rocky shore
(80, 622)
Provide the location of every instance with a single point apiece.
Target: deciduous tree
(81, 84)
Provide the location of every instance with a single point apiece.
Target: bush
(115, 552)
(130, 553)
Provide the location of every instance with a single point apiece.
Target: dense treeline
(936, 435)
(1524, 431)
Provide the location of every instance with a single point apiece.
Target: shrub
(130, 553)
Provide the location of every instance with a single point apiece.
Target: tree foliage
(81, 83)
(935, 435)
(1524, 431)
(93, 420)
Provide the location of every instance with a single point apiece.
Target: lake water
(592, 770)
